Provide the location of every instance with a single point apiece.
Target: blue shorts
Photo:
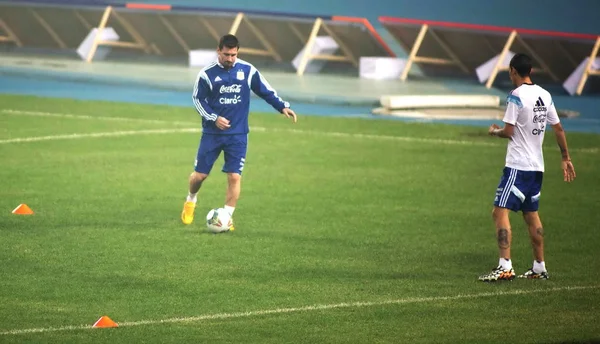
(519, 190)
(211, 146)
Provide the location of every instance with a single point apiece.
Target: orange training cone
(105, 322)
(22, 209)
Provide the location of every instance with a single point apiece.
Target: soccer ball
(218, 220)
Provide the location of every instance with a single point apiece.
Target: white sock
(505, 263)
(538, 267)
(192, 197)
(229, 209)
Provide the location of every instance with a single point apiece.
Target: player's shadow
(201, 230)
(478, 262)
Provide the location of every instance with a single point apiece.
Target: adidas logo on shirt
(540, 106)
(217, 79)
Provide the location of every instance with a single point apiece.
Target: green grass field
(347, 231)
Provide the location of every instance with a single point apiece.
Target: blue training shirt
(226, 93)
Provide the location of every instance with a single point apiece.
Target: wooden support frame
(155, 49)
(413, 52)
(537, 57)
(432, 60)
(308, 47)
(587, 72)
(454, 60)
(297, 32)
(10, 35)
(448, 51)
(269, 49)
(546, 48)
(501, 57)
(263, 40)
(347, 52)
(61, 44)
(174, 33)
(139, 41)
(307, 55)
(489, 45)
(236, 23)
(137, 38)
(97, 40)
(82, 20)
(566, 53)
(414, 58)
(509, 42)
(213, 32)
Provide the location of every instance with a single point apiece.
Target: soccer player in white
(529, 109)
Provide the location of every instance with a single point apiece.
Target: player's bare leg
(503, 231)
(195, 182)
(504, 271)
(234, 188)
(536, 234)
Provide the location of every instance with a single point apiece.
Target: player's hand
(289, 113)
(222, 123)
(492, 128)
(568, 171)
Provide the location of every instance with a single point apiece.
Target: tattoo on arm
(503, 238)
(563, 152)
(561, 140)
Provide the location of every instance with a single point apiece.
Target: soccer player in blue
(222, 98)
(529, 110)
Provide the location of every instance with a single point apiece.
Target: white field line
(105, 134)
(260, 129)
(219, 316)
(101, 118)
(388, 137)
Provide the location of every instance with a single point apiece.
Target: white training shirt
(528, 107)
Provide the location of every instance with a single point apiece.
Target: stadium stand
(447, 48)
(92, 30)
(170, 31)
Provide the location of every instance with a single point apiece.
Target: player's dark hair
(522, 64)
(229, 41)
